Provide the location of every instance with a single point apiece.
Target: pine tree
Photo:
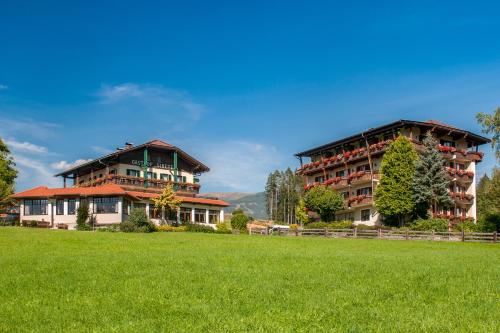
(430, 184)
(394, 193)
(8, 174)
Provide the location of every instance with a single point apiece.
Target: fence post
(355, 232)
(326, 232)
(495, 237)
(297, 232)
(406, 235)
(379, 233)
(463, 236)
(433, 233)
(279, 231)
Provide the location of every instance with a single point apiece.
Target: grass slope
(185, 282)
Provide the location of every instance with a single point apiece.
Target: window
(59, 207)
(133, 173)
(364, 191)
(447, 143)
(164, 176)
(152, 175)
(126, 207)
(340, 173)
(154, 213)
(345, 195)
(460, 166)
(199, 215)
(106, 205)
(71, 206)
(318, 179)
(35, 207)
(213, 216)
(365, 215)
(365, 167)
(140, 206)
(185, 214)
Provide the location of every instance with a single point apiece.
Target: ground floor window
(140, 206)
(59, 207)
(154, 213)
(364, 191)
(106, 205)
(35, 207)
(213, 216)
(171, 215)
(71, 206)
(199, 215)
(185, 215)
(365, 215)
(126, 207)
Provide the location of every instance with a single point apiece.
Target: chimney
(128, 145)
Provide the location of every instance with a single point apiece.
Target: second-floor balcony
(462, 198)
(134, 183)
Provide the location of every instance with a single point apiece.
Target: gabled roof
(430, 124)
(152, 143)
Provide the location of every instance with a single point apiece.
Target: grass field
(185, 282)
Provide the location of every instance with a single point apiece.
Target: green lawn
(186, 282)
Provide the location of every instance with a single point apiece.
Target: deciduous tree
(491, 125)
(167, 200)
(325, 201)
(8, 174)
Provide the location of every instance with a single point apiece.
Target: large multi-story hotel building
(351, 166)
(114, 184)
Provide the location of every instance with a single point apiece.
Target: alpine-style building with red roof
(352, 167)
(115, 183)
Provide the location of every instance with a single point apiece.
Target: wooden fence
(452, 236)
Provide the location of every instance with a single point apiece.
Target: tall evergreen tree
(394, 193)
(8, 174)
(430, 184)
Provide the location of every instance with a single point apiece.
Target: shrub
(82, 215)
(138, 221)
(111, 228)
(341, 225)
(489, 223)
(294, 227)
(193, 227)
(466, 226)
(317, 225)
(239, 222)
(222, 228)
(170, 228)
(430, 224)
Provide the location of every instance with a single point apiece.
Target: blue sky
(240, 86)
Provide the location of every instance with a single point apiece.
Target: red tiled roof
(159, 143)
(44, 191)
(204, 201)
(108, 189)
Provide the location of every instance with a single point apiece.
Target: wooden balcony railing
(138, 182)
(463, 198)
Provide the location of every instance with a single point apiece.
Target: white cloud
(25, 147)
(27, 127)
(3, 87)
(33, 172)
(63, 165)
(101, 150)
(149, 98)
(238, 165)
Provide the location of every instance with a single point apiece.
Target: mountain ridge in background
(253, 204)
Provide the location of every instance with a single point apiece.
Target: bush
(489, 223)
(111, 228)
(317, 225)
(466, 226)
(294, 227)
(192, 227)
(222, 228)
(332, 225)
(430, 224)
(29, 223)
(138, 221)
(239, 222)
(82, 215)
(170, 228)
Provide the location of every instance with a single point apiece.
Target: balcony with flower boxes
(453, 218)
(345, 157)
(154, 185)
(359, 200)
(460, 154)
(462, 198)
(460, 175)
